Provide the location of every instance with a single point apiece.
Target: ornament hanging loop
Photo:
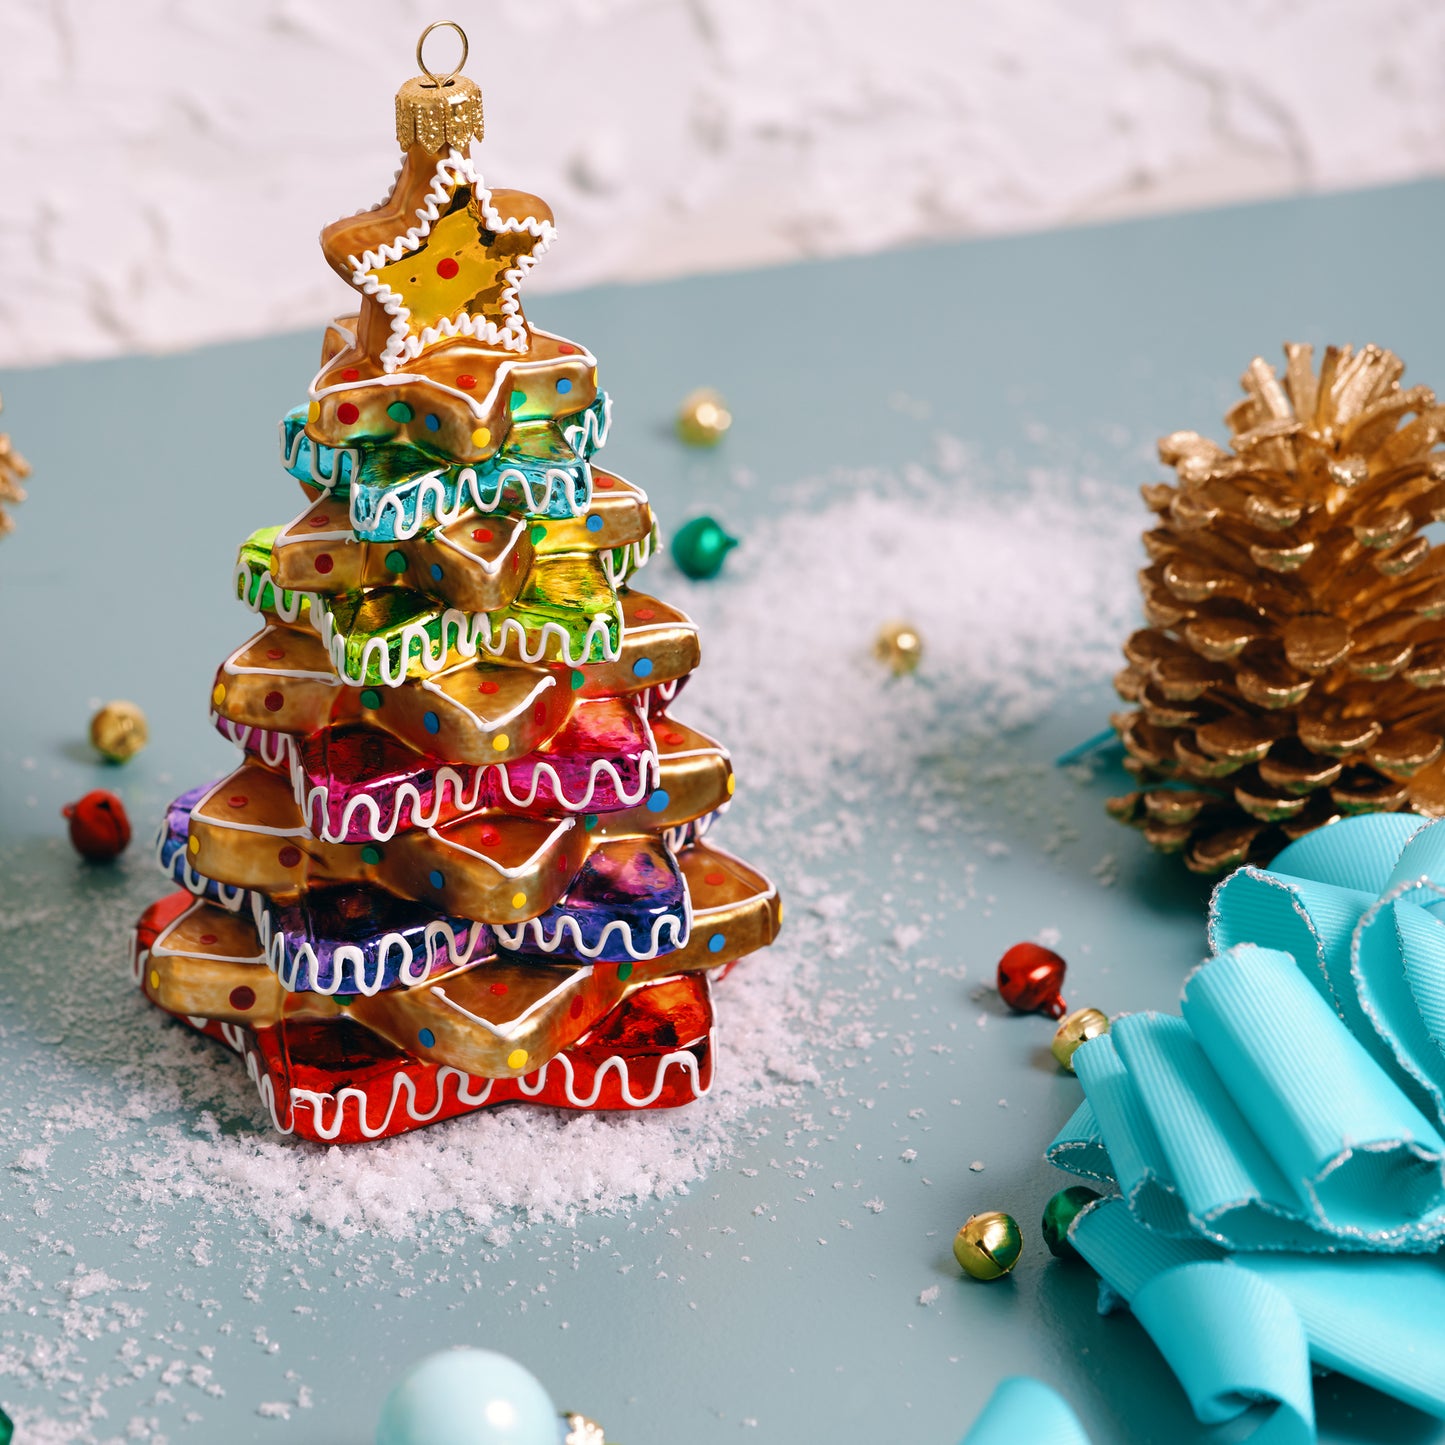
(441, 81)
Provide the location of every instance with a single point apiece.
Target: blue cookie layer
(330, 467)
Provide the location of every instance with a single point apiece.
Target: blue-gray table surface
(1038, 350)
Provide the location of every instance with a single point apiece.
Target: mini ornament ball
(900, 646)
(703, 418)
(988, 1246)
(1030, 980)
(99, 827)
(118, 731)
(582, 1431)
(468, 1397)
(1059, 1213)
(1078, 1028)
(701, 547)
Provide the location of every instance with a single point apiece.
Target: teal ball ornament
(700, 548)
(468, 1397)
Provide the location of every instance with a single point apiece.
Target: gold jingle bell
(581, 1430)
(900, 646)
(118, 731)
(703, 418)
(1077, 1028)
(988, 1246)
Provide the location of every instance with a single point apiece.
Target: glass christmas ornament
(701, 547)
(461, 862)
(703, 418)
(1059, 1213)
(900, 646)
(1030, 978)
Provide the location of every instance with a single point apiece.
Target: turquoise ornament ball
(468, 1397)
(700, 548)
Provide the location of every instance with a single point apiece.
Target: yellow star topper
(457, 272)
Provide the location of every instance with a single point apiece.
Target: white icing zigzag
(668, 932)
(338, 455)
(452, 171)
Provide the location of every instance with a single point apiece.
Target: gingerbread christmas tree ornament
(463, 860)
(1292, 671)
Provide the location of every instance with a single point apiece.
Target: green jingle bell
(1059, 1213)
(700, 548)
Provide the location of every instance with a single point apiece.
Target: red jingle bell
(99, 828)
(1031, 980)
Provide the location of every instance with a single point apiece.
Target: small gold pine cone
(1292, 669)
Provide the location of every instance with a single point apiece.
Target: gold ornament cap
(437, 111)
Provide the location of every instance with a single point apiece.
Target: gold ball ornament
(900, 646)
(703, 418)
(1077, 1028)
(988, 1246)
(119, 731)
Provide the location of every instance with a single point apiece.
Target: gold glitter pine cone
(1293, 667)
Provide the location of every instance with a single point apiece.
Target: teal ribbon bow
(1277, 1148)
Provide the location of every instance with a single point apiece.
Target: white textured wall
(165, 164)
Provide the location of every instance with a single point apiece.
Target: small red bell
(99, 828)
(1031, 980)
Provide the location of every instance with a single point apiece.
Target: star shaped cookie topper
(457, 271)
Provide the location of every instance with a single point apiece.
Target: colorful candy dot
(481, 436)
(370, 697)
(671, 736)
(400, 412)
(601, 479)
(155, 979)
(238, 800)
(658, 801)
(590, 821)
(371, 855)
(579, 678)
(218, 693)
(490, 835)
(565, 348)
(289, 857)
(313, 411)
(576, 1009)
(482, 534)
(732, 784)
(431, 722)
(193, 845)
(501, 743)
(517, 1059)
(396, 561)
(488, 687)
(645, 614)
(324, 563)
(436, 571)
(436, 879)
(519, 900)
(624, 972)
(242, 998)
(595, 523)
(518, 400)
(433, 421)
(714, 880)
(563, 385)
(717, 943)
(447, 268)
(642, 667)
(275, 654)
(466, 382)
(351, 374)
(500, 989)
(426, 1038)
(208, 938)
(537, 534)
(319, 520)
(346, 413)
(274, 702)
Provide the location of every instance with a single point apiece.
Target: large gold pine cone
(1292, 669)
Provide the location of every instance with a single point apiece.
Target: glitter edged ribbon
(1278, 1146)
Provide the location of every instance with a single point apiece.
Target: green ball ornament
(700, 548)
(1059, 1213)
